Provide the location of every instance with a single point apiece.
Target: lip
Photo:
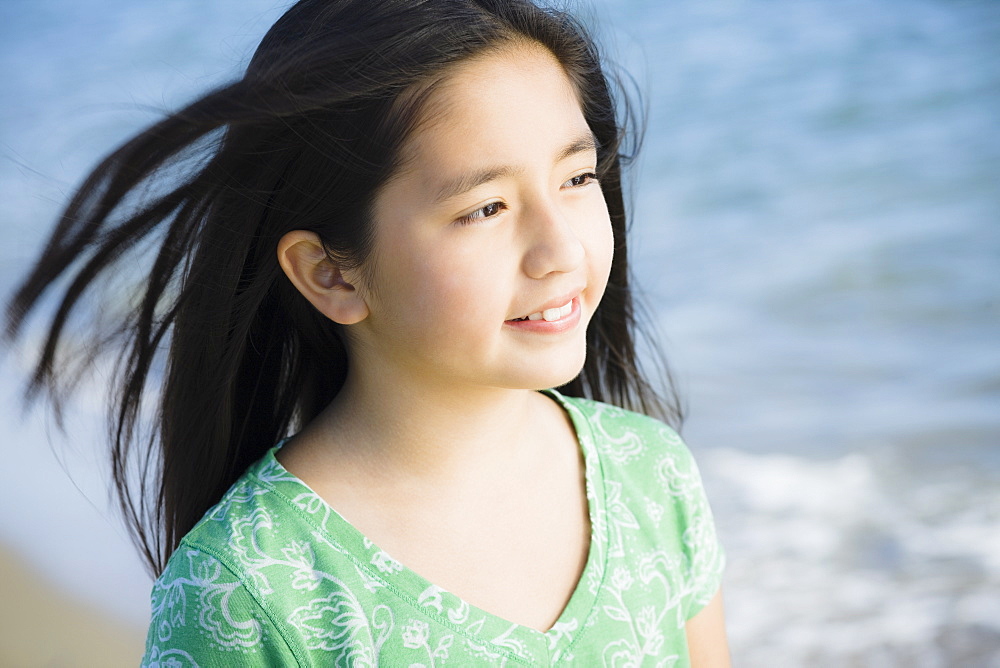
(556, 302)
(554, 327)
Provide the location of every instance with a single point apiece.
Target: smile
(554, 320)
(549, 314)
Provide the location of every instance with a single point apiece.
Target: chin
(556, 374)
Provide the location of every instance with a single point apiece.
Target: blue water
(817, 234)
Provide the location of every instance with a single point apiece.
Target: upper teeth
(551, 314)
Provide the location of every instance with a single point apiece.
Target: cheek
(600, 245)
(446, 291)
(466, 285)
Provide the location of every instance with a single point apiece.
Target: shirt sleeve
(706, 558)
(204, 615)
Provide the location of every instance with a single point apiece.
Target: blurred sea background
(817, 236)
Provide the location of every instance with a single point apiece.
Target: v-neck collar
(478, 625)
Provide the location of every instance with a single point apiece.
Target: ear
(319, 278)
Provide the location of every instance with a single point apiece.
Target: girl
(387, 240)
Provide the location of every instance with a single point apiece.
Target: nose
(553, 244)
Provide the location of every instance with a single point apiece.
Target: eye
(581, 180)
(482, 213)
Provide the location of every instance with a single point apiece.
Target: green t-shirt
(273, 576)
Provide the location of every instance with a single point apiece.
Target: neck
(428, 432)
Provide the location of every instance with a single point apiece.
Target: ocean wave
(854, 561)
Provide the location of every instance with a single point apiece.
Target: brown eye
(482, 213)
(491, 209)
(582, 180)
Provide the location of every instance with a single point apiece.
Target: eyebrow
(466, 182)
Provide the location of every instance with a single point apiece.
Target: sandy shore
(42, 626)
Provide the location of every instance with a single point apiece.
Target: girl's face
(495, 216)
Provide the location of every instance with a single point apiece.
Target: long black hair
(235, 356)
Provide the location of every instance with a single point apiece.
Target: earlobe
(319, 278)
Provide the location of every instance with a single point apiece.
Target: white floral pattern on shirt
(275, 576)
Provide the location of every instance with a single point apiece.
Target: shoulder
(644, 465)
(210, 603)
(252, 509)
(608, 415)
(654, 503)
(205, 613)
(625, 438)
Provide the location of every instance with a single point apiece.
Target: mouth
(549, 314)
(553, 318)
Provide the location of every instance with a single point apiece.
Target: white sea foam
(839, 562)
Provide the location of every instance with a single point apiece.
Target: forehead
(518, 62)
(497, 106)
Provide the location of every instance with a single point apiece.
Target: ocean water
(817, 237)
